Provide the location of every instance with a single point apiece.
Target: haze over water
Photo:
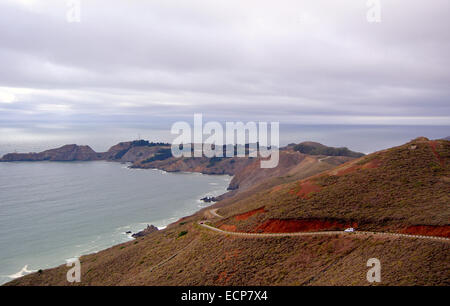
(362, 138)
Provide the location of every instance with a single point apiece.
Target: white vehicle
(349, 230)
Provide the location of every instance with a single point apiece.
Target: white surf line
(259, 235)
(24, 271)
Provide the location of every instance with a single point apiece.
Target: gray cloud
(292, 61)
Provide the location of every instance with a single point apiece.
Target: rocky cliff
(246, 171)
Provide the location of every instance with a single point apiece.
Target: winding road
(213, 212)
(324, 158)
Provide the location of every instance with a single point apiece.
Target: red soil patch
(307, 225)
(433, 145)
(229, 228)
(428, 230)
(306, 189)
(248, 214)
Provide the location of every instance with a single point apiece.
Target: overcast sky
(290, 61)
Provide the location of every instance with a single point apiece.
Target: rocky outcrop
(117, 151)
(148, 230)
(65, 153)
(130, 151)
(215, 165)
(208, 199)
(133, 151)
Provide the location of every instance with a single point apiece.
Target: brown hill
(315, 148)
(246, 171)
(132, 151)
(202, 257)
(65, 153)
(390, 190)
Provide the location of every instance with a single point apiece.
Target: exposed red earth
(307, 225)
(248, 214)
(428, 230)
(229, 228)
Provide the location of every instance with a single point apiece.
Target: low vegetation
(386, 191)
(314, 148)
(403, 189)
(161, 154)
(182, 233)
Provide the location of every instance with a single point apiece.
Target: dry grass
(385, 191)
(388, 190)
(214, 259)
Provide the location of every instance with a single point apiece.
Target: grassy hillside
(315, 148)
(403, 189)
(247, 172)
(206, 258)
(389, 190)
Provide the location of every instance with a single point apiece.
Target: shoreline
(26, 270)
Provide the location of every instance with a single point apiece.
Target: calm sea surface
(53, 211)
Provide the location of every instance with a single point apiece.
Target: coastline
(198, 205)
(241, 173)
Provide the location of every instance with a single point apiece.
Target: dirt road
(213, 212)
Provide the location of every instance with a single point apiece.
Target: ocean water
(54, 211)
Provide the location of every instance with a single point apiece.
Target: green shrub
(182, 233)
(162, 154)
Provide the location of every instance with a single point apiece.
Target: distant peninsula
(157, 155)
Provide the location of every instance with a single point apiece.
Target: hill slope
(70, 152)
(392, 190)
(315, 148)
(402, 189)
